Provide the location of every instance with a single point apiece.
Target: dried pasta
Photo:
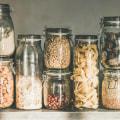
(85, 76)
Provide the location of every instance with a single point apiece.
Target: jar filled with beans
(111, 89)
(110, 42)
(57, 48)
(6, 84)
(56, 89)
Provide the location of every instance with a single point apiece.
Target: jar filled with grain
(57, 48)
(29, 73)
(7, 43)
(6, 83)
(56, 89)
(86, 72)
(111, 89)
(110, 42)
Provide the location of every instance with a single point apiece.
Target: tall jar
(6, 83)
(86, 71)
(7, 43)
(110, 42)
(28, 76)
(57, 48)
(56, 89)
(111, 89)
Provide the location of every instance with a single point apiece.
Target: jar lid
(30, 37)
(5, 61)
(111, 21)
(56, 72)
(4, 5)
(111, 72)
(58, 31)
(86, 38)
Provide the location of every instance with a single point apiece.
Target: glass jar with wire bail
(111, 89)
(56, 89)
(28, 74)
(7, 43)
(86, 71)
(57, 48)
(6, 83)
(110, 42)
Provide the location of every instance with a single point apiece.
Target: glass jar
(111, 89)
(57, 48)
(56, 89)
(6, 83)
(7, 43)
(28, 74)
(86, 71)
(110, 42)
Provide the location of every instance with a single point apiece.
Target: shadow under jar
(57, 48)
(56, 90)
(86, 72)
(111, 89)
(6, 83)
(7, 43)
(110, 42)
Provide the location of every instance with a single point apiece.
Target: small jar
(110, 42)
(57, 48)
(28, 73)
(7, 43)
(86, 71)
(56, 89)
(6, 83)
(111, 89)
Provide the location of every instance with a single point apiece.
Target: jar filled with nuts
(111, 89)
(86, 72)
(57, 48)
(7, 42)
(6, 83)
(29, 73)
(110, 42)
(56, 89)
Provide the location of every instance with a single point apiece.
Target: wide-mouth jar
(111, 89)
(110, 42)
(56, 89)
(57, 48)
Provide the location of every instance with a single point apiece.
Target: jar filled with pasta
(7, 43)
(86, 72)
(6, 83)
(57, 48)
(56, 89)
(110, 42)
(28, 74)
(111, 89)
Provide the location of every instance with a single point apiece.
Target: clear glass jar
(7, 43)
(6, 83)
(111, 89)
(57, 48)
(56, 89)
(110, 42)
(86, 71)
(28, 74)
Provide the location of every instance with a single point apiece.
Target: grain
(57, 53)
